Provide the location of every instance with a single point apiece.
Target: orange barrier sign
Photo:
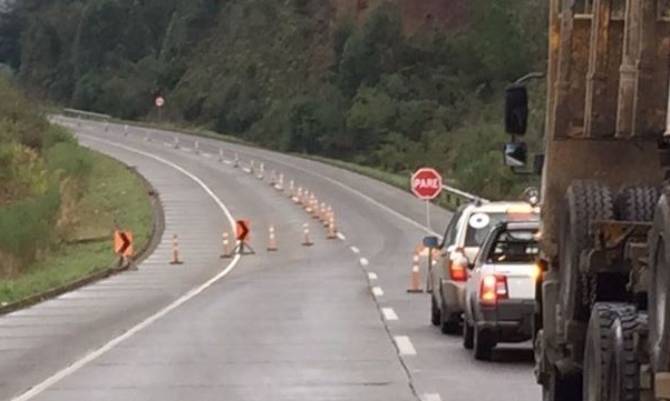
(242, 230)
(123, 243)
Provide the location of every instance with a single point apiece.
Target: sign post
(160, 102)
(426, 185)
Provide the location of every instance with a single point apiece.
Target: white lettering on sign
(426, 183)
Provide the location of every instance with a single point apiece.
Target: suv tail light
(458, 266)
(493, 289)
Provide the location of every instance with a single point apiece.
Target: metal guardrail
(86, 114)
(455, 197)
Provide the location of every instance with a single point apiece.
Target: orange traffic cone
(306, 240)
(291, 189)
(176, 142)
(261, 171)
(227, 250)
(328, 215)
(236, 161)
(272, 240)
(415, 279)
(220, 155)
(175, 251)
(316, 211)
(332, 229)
(273, 178)
(196, 147)
(298, 197)
(125, 130)
(280, 183)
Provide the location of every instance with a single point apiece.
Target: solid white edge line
(62, 374)
(404, 344)
(372, 276)
(364, 262)
(355, 250)
(389, 314)
(377, 291)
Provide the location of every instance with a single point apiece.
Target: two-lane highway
(327, 322)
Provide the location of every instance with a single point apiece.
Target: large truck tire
(624, 370)
(597, 354)
(559, 388)
(637, 203)
(659, 285)
(585, 201)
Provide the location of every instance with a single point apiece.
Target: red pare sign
(426, 183)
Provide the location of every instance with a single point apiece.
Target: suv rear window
(514, 247)
(479, 226)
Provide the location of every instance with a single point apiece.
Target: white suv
(463, 237)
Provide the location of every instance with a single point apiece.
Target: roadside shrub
(26, 225)
(67, 158)
(55, 135)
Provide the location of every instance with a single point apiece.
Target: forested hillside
(379, 87)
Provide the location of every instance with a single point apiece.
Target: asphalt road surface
(328, 322)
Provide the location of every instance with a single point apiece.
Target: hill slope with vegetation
(307, 76)
(59, 203)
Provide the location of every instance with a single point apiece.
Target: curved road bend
(299, 324)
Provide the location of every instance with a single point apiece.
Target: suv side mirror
(516, 154)
(516, 110)
(431, 242)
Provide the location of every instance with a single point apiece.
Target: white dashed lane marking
(341, 236)
(377, 291)
(372, 276)
(405, 346)
(431, 397)
(364, 262)
(355, 250)
(389, 314)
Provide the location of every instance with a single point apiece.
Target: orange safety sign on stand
(123, 243)
(242, 230)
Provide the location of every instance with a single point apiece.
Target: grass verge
(113, 194)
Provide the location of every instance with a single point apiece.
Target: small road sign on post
(242, 230)
(123, 246)
(123, 243)
(426, 184)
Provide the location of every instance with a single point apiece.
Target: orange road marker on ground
(175, 251)
(272, 240)
(415, 278)
(306, 240)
